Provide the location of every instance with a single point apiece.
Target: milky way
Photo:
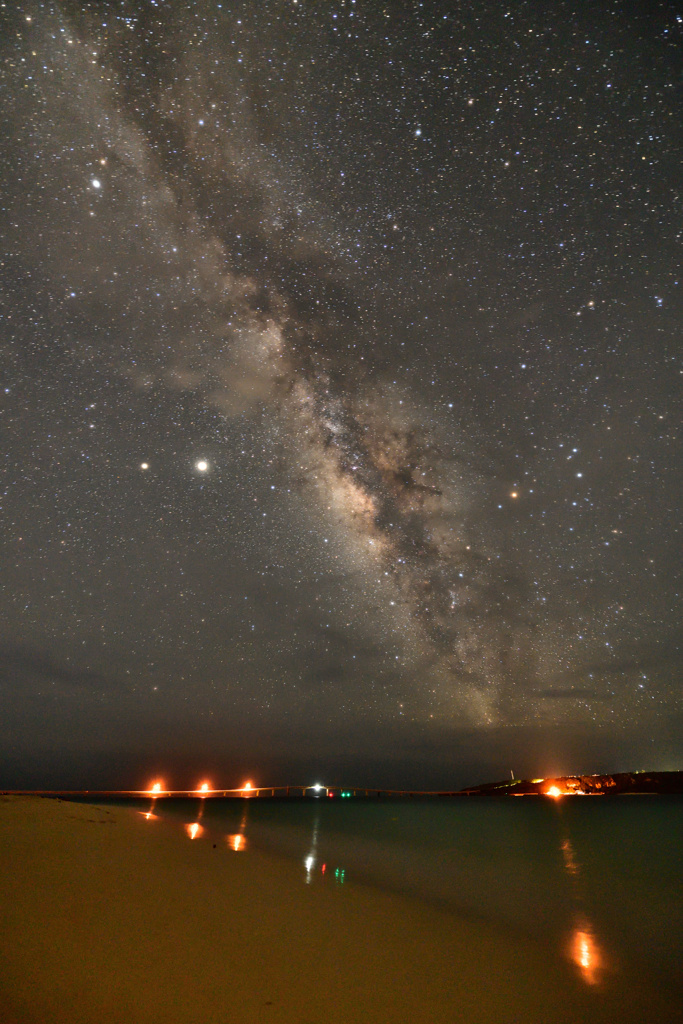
(373, 271)
(400, 493)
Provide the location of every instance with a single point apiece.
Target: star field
(341, 390)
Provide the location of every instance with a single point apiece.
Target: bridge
(247, 791)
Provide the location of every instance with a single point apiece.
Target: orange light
(237, 842)
(156, 788)
(247, 787)
(204, 788)
(554, 792)
(194, 830)
(586, 955)
(568, 857)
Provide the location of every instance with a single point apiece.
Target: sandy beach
(108, 917)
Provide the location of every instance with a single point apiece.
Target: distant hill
(621, 783)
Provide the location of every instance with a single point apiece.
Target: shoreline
(108, 917)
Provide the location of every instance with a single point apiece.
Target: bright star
(202, 466)
(96, 183)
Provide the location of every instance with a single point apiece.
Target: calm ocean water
(598, 879)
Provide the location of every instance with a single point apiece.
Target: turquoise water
(597, 879)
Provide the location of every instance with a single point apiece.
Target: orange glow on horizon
(155, 787)
(554, 792)
(194, 830)
(247, 787)
(204, 788)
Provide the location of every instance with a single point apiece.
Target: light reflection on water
(237, 842)
(149, 814)
(569, 857)
(310, 860)
(586, 954)
(583, 947)
(593, 883)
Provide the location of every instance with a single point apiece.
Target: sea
(596, 879)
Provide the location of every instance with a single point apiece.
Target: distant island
(621, 783)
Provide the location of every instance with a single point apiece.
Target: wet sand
(107, 917)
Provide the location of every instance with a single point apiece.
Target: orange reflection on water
(237, 842)
(569, 857)
(149, 816)
(586, 954)
(194, 830)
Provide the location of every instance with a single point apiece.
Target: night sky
(341, 374)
